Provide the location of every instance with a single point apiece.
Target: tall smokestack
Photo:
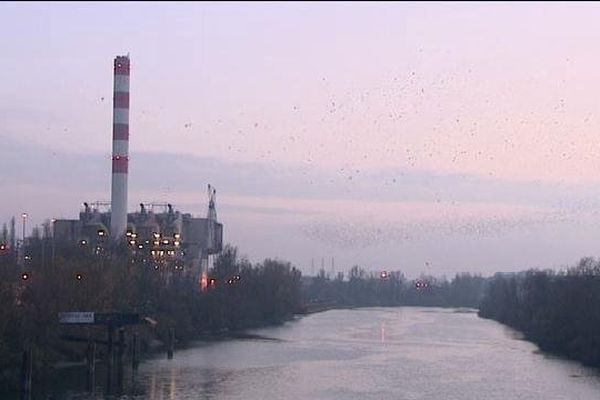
(120, 150)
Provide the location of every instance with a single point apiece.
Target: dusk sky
(423, 137)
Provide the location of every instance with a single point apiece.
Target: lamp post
(21, 248)
(24, 216)
(53, 221)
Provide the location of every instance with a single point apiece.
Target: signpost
(94, 318)
(76, 318)
(116, 319)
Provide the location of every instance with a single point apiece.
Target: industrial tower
(120, 149)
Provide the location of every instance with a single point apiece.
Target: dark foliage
(558, 311)
(64, 278)
(393, 289)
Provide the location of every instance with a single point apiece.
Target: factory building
(156, 234)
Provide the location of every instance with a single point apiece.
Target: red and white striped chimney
(120, 150)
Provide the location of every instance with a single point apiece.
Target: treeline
(559, 311)
(63, 278)
(362, 289)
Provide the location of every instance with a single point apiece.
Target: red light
(421, 285)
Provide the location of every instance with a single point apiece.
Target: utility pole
(24, 216)
(12, 233)
(53, 243)
(22, 247)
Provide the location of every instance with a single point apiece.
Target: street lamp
(53, 241)
(24, 216)
(21, 246)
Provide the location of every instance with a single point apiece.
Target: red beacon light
(421, 284)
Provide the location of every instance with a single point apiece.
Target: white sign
(76, 317)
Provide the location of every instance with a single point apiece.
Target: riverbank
(312, 308)
(372, 353)
(558, 311)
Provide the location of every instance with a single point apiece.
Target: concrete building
(157, 234)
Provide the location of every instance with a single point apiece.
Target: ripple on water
(393, 353)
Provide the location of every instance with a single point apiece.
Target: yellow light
(134, 235)
(132, 242)
(165, 241)
(176, 243)
(177, 236)
(156, 235)
(156, 242)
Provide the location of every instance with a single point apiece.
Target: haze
(428, 138)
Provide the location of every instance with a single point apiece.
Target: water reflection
(339, 355)
(172, 396)
(153, 387)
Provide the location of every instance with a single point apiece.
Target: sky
(425, 137)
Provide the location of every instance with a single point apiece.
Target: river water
(373, 353)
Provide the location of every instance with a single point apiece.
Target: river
(371, 353)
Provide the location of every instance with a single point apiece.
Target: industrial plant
(157, 234)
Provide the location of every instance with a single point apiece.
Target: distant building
(166, 239)
(163, 239)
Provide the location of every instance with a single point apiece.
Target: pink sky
(461, 115)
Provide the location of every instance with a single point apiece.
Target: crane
(207, 252)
